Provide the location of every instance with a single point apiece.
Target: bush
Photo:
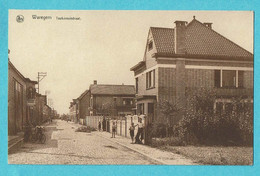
(158, 130)
(86, 129)
(203, 126)
(170, 141)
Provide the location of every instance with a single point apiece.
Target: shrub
(158, 130)
(171, 141)
(86, 129)
(203, 126)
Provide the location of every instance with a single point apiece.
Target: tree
(169, 110)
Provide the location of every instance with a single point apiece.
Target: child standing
(114, 130)
(99, 126)
(132, 132)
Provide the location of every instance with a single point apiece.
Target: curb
(152, 158)
(15, 145)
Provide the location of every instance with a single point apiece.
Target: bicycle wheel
(42, 138)
(33, 138)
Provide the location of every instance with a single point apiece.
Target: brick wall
(142, 85)
(199, 78)
(167, 88)
(248, 80)
(84, 104)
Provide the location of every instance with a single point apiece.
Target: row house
(109, 100)
(186, 58)
(25, 105)
(74, 112)
(21, 100)
(84, 102)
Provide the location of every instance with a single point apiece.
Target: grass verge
(214, 155)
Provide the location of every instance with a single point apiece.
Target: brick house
(185, 58)
(110, 100)
(21, 95)
(84, 104)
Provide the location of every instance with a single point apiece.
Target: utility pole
(40, 77)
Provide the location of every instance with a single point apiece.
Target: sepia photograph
(130, 87)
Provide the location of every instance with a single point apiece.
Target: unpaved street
(65, 146)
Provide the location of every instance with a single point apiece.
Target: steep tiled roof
(205, 41)
(199, 40)
(100, 89)
(163, 39)
(83, 94)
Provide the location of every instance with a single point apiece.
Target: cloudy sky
(102, 45)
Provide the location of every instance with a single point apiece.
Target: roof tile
(100, 89)
(200, 40)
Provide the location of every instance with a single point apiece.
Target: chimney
(209, 25)
(179, 36)
(95, 82)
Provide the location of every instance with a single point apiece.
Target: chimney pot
(179, 37)
(209, 25)
(180, 23)
(95, 81)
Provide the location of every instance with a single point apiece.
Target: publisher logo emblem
(20, 18)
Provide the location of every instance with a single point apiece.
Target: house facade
(74, 110)
(186, 58)
(84, 104)
(21, 100)
(109, 100)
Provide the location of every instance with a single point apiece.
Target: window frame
(238, 79)
(150, 79)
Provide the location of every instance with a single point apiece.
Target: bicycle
(38, 135)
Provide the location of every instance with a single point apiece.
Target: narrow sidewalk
(163, 157)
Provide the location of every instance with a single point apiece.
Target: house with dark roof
(188, 57)
(84, 104)
(105, 99)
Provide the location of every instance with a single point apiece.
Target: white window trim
(196, 67)
(155, 67)
(217, 67)
(221, 78)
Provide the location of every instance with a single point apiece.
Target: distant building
(84, 104)
(186, 58)
(109, 100)
(74, 112)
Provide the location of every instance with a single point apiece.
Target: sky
(101, 45)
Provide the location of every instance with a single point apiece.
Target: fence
(122, 123)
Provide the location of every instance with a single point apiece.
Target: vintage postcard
(121, 87)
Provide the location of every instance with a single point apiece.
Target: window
(150, 45)
(136, 85)
(150, 79)
(127, 101)
(91, 101)
(228, 78)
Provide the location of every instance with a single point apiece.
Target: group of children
(140, 132)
